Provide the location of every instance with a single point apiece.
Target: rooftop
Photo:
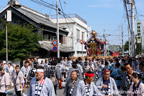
(34, 15)
(70, 16)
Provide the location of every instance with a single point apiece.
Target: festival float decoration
(94, 46)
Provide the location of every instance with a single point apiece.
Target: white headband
(39, 70)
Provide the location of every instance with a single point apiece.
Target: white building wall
(72, 25)
(89, 31)
(69, 37)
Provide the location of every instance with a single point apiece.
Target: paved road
(11, 92)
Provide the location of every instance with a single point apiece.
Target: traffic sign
(54, 42)
(54, 49)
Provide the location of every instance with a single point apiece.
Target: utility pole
(58, 51)
(122, 42)
(6, 40)
(132, 29)
(129, 40)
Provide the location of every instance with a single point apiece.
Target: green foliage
(138, 48)
(126, 46)
(22, 41)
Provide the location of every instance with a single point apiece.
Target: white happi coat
(47, 89)
(113, 87)
(4, 81)
(10, 69)
(17, 80)
(25, 72)
(81, 90)
(140, 91)
(68, 87)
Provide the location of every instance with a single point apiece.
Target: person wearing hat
(107, 85)
(40, 85)
(4, 82)
(87, 87)
(18, 80)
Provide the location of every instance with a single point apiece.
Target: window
(138, 37)
(138, 23)
(78, 35)
(138, 26)
(52, 37)
(46, 36)
(138, 34)
(138, 31)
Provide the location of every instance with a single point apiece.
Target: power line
(44, 4)
(51, 9)
(64, 15)
(127, 15)
(136, 11)
(48, 3)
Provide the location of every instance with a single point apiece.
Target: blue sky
(108, 15)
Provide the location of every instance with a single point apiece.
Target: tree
(126, 46)
(22, 41)
(138, 48)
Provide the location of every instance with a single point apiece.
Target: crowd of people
(118, 76)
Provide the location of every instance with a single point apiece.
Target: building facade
(77, 28)
(139, 29)
(43, 25)
(140, 33)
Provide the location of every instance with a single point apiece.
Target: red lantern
(81, 41)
